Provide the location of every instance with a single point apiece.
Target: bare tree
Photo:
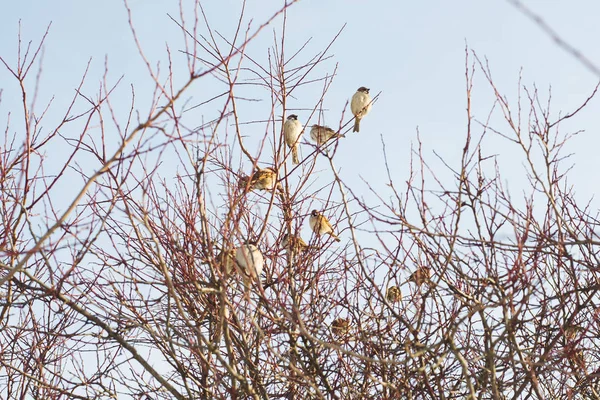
(142, 285)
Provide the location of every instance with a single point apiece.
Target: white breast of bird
(249, 257)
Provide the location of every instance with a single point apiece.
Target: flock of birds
(248, 261)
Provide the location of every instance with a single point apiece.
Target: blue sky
(413, 52)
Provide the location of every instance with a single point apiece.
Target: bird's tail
(356, 125)
(295, 158)
(280, 192)
(333, 235)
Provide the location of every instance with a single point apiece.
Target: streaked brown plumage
(262, 179)
(420, 276)
(340, 326)
(572, 331)
(393, 294)
(321, 225)
(226, 260)
(293, 242)
(577, 357)
(321, 134)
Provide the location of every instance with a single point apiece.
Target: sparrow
(320, 225)
(340, 326)
(292, 131)
(263, 179)
(226, 260)
(420, 276)
(293, 242)
(572, 331)
(250, 259)
(577, 358)
(393, 294)
(322, 134)
(360, 105)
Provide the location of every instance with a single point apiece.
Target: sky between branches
(413, 52)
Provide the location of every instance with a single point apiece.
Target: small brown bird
(226, 260)
(292, 131)
(321, 225)
(360, 105)
(262, 179)
(321, 134)
(577, 357)
(393, 294)
(420, 276)
(340, 326)
(482, 379)
(572, 331)
(293, 242)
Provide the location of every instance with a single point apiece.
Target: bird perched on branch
(340, 326)
(393, 294)
(360, 105)
(321, 225)
(250, 260)
(292, 131)
(226, 260)
(321, 134)
(420, 276)
(262, 179)
(293, 242)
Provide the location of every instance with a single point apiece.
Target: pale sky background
(413, 52)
